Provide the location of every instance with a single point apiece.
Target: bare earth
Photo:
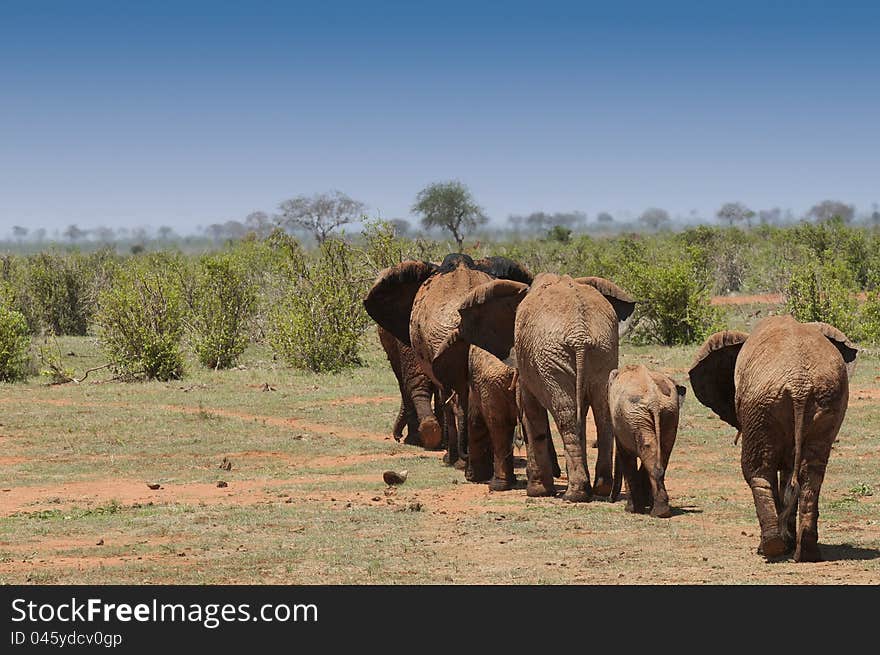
(328, 507)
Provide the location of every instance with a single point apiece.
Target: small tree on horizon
(449, 206)
(320, 214)
(654, 218)
(827, 209)
(735, 212)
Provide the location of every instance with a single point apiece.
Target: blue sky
(190, 113)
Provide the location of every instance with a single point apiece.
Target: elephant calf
(492, 418)
(785, 387)
(644, 415)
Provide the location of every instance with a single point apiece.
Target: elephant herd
(480, 347)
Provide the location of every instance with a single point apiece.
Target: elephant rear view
(645, 406)
(785, 388)
(561, 335)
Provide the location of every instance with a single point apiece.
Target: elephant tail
(580, 372)
(793, 490)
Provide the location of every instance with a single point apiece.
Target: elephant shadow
(838, 552)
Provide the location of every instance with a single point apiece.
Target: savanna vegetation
(136, 382)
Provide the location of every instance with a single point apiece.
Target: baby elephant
(644, 414)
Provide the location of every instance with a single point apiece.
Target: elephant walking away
(418, 303)
(561, 334)
(785, 387)
(645, 408)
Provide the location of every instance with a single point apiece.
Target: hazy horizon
(192, 113)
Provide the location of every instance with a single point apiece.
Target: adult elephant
(417, 392)
(418, 303)
(785, 388)
(561, 335)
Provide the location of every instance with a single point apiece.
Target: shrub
(61, 289)
(823, 292)
(383, 247)
(14, 344)
(673, 297)
(222, 303)
(319, 323)
(559, 233)
(15, 293)
(141, 319)
(869, 319)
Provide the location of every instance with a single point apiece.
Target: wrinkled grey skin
(417, 393)
(562, 335)
(645, 408)
(785, 387)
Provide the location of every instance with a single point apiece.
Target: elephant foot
(500, 484)
(475, 474)
(539, 489)
(661, 511)
(602, 487)
(632, 509)
(431, 434)
(772, 547)
(807, 552)
(577, 496)
(460, 464)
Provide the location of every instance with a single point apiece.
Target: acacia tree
(654, 218)
(827, 209)
(735, 212)
(450, 206)
(320, 214)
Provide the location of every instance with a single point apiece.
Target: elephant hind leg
(637, 499)
(811, 478)
(764, 493)
(536, 430)
(479, 449)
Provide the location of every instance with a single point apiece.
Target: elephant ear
(840, 341)
(623, 303)
(450, 363)
(712, 373)
(488, 314)
(389, 302)
(503, 268)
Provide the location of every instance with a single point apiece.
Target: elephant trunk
(400, 422)
(428, 426)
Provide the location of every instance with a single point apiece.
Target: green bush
(61, 287)
(869, 319)
(141, 319)
(222, 303)
(559, 233)
(673, 295)
(14, 344)
(824, 292)
(319, 322)
(15, 293)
